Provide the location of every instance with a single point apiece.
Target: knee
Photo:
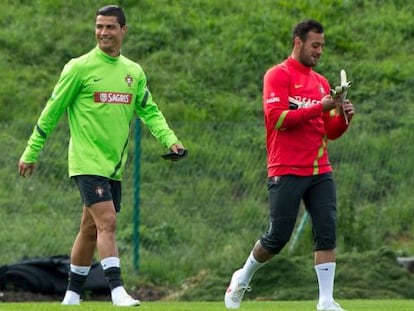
(107, 224)
(272, 244)
(88, 230)
(273, 241)
(325, 244)
(325, 235)
(278, 234)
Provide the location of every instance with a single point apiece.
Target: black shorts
(95, 189)
(285, 194)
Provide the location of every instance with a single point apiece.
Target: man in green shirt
(101, 91)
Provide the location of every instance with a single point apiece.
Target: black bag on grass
(48, 275)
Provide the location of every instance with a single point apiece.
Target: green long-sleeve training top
(101, 95)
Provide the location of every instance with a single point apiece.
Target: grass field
(350, 305)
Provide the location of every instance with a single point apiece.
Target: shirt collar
(107, 57)
(299, 66)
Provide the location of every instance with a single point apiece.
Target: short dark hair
(113, 10)
(302, 29)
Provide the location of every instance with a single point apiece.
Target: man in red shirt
(300, 116)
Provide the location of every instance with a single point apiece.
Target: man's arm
(335, 124)
(277, 104)
(154, 120)
(63, 94)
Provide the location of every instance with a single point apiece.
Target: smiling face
(310, 50)
(109, 34)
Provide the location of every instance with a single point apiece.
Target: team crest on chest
(128, 79)
(322, 90)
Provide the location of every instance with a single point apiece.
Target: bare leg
(261, 254)
(104, 217)
(324, 256)
(82, 253)
(84, 246)
(97, 229)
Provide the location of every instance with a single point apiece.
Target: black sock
(76, 281)
(113, 275)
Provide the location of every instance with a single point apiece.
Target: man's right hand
(25, 169)
(329, 103)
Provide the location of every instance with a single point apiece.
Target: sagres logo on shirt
(299, 102)
(112, 98)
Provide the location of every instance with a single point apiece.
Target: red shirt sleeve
(335, 125)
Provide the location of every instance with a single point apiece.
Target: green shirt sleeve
(153, 118)
(63, 94)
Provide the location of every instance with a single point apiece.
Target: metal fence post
(137, 173)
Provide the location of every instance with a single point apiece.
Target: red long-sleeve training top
(297, 130)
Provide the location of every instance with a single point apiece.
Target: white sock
(326, 274)
(81, 270)
(110, 262)
(249, 269)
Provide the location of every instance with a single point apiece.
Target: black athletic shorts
(95, 189)
(318, 193)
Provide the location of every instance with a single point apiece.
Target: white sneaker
(71, 303)
(235, 292)
(125, 301)
(71, 299)
(329, 306)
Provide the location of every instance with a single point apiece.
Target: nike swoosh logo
(97, 79)
(298, 86)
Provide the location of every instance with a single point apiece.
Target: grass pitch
(349, 305)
